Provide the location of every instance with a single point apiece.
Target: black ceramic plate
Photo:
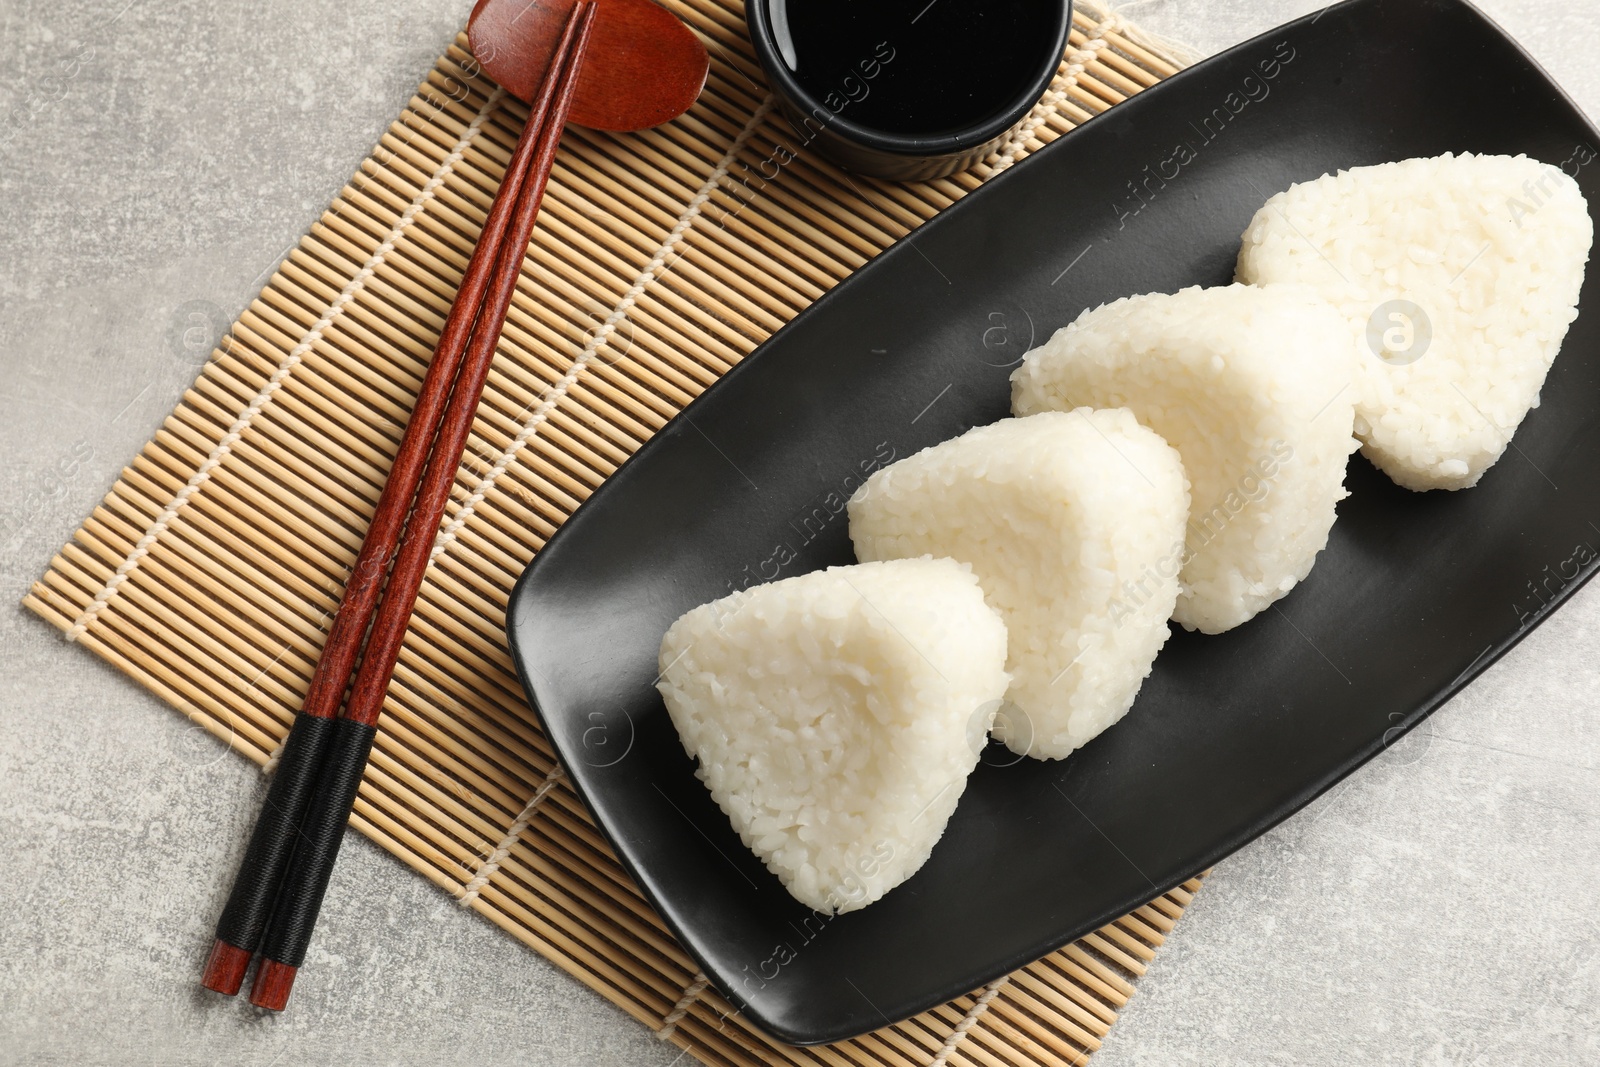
(1415, 594)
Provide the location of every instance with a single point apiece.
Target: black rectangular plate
(1415, 594)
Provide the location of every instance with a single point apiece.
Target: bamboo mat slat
(210, 571)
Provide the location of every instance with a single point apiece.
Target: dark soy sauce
(914, 66)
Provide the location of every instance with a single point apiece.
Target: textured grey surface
(1439, 908)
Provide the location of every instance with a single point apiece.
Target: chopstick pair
(278, 891)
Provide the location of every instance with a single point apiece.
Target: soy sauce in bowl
(908, 88)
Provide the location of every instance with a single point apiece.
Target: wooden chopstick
(244, 917)
(349, 739)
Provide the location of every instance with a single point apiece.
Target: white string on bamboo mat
(601, 333)
(1077, 63)
(285, 367)
(979, 1006)
(691, 993)
(1108, 21)
(470, 891)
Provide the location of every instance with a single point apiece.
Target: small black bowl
(900, 156)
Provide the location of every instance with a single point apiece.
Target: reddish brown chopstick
(299, 897)
(245, 916)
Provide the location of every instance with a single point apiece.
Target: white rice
(1074, 525)
(836, 717)
(1460, 275)
(1252, 387)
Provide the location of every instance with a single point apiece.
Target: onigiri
(836, 716)
(1074, 525)
(1252, 387)
(1459, 275)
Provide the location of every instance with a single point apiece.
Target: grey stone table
(1439, 908)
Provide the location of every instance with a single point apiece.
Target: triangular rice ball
(1252, 387)
(1074, 524)
(836, 717)
(1459, 276)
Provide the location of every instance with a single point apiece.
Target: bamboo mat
(210, 571)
